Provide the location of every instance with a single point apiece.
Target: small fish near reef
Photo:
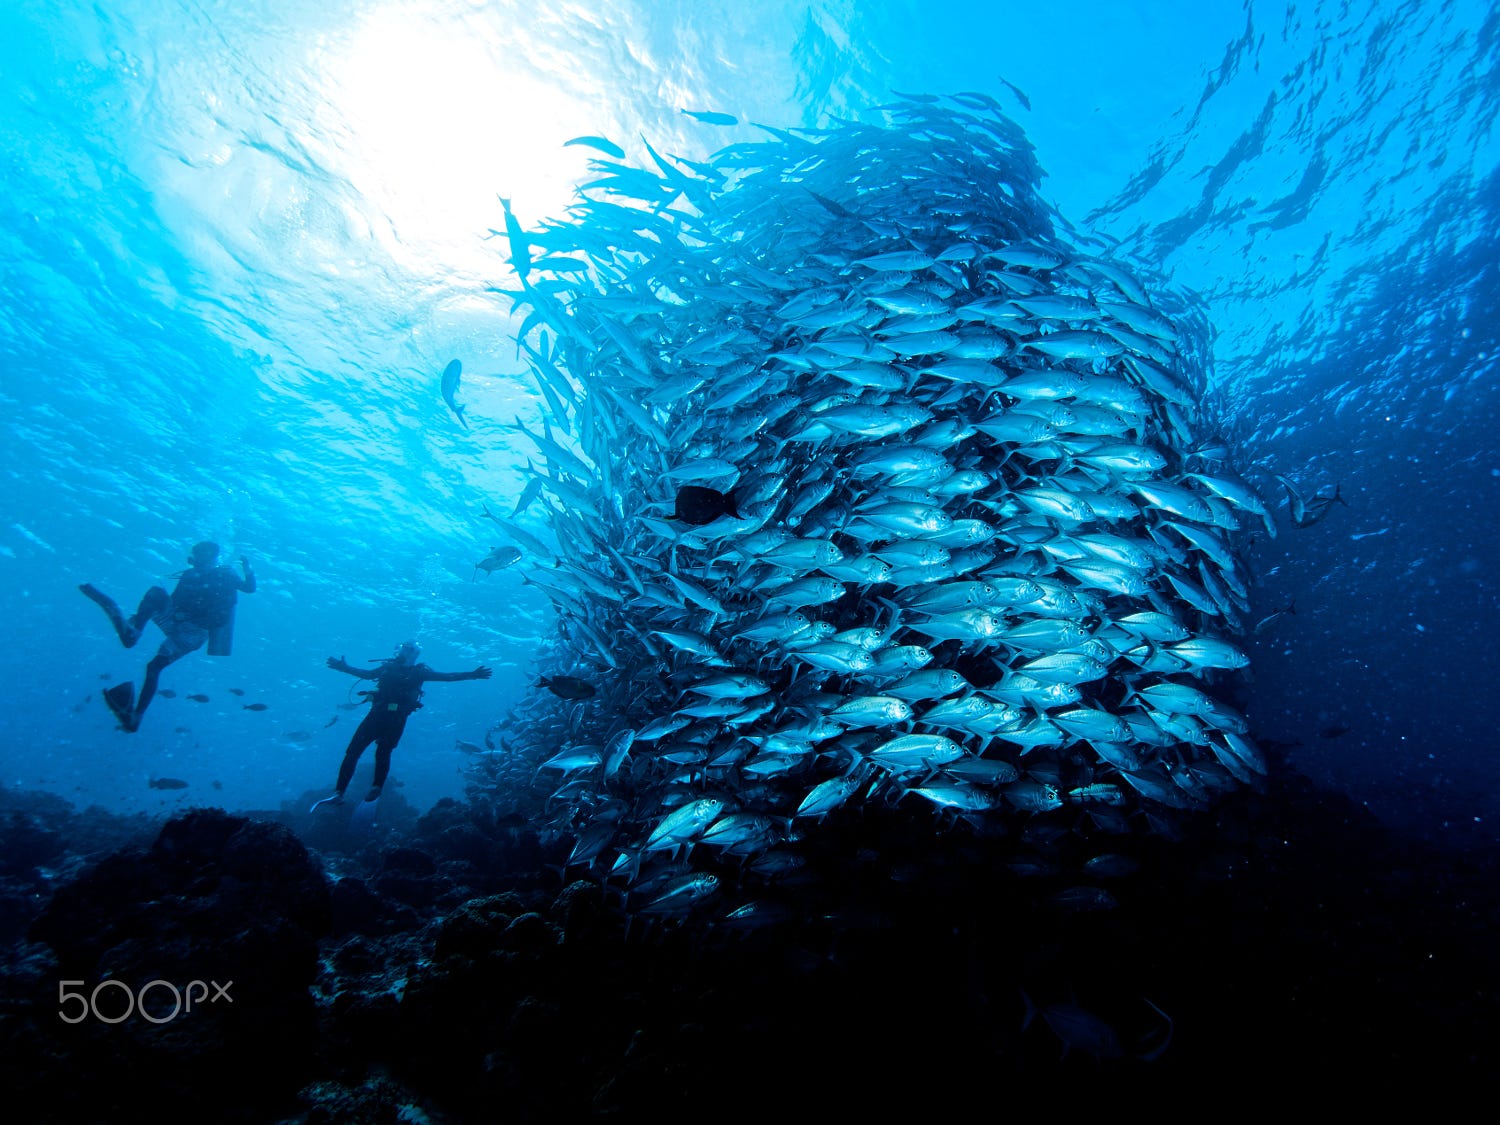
(567, 687)
(167, 783)
(450, 390)
(497, 559)
(699, 505)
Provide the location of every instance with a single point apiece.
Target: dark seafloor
(1285, 943)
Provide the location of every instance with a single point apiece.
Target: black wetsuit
(205, 598)
(398, 692)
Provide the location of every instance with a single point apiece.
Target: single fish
(709, 117)
(199, 698)
(167, 693)
(1271, 618)
(498, 559)
(1305, 513)
(468, 747)
(167, 783)
(236, 691)
(254, 706)
(450, 389)
(605, 146)
(567, 687)
(297, 736)
(699, 505)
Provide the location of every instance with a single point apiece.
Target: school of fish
(980, 550)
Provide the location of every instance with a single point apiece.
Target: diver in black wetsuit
(199, 610)
(398, 692)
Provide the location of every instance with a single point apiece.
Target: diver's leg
(382, 769)
(159, 662)
(383, 747)
(182, 639)
(364, 734)
(154, 602)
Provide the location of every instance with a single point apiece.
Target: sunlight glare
(439, 120)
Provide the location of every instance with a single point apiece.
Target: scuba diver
(398, 692)
(199, 610)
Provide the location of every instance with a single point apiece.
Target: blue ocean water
(243, 241)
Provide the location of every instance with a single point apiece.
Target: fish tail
(1031, 1010)
(1157, 1051)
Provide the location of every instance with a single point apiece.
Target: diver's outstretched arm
(480, 673)
(339, 664)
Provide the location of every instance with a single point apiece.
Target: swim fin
(128, 635)
(120, 700)
(364, 816)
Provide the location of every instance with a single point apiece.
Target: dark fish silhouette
(1305, 513)
(698, 505)
(1270, 619)
(330, 722)
(450, 389)
(218, 785)
(297, 736)
(567, 687)
(199, 698)
(498, 559)
(167, 783)
(236, 691)
(167, 693)
(182, 730)
(255, 706)
(1334, 730)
